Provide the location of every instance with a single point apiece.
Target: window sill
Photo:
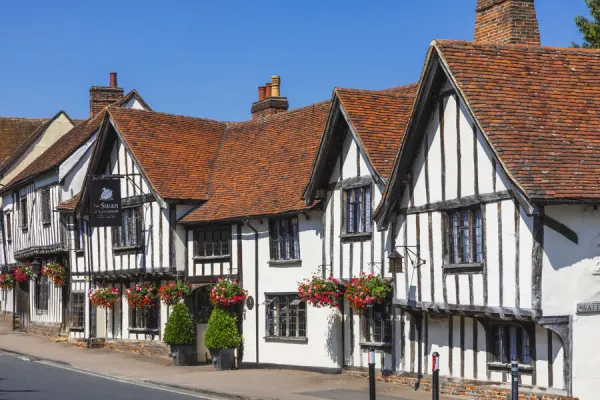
(79, 252)
(126, 248)
(24, 229)
(286, 263)
(144, 330)
(76, 328)
(212, 258)
(379, 345)
(301, 340)
(498, 366)
(46, 224)
(473, 268)
(349, 237)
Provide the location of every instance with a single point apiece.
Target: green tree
(590, 29)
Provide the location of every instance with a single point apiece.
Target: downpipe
(255, 283)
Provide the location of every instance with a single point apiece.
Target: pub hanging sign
(105, 202)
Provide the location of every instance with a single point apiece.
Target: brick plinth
(141, 347)
(469, 389)
(44, 330)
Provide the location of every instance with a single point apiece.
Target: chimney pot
(261, 92)
(275, 85)
(113, 79)
(268, 91)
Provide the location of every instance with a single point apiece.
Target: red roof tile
(69, 205)
(65, 146)
(263, 165)
(176, 153)
(540, 108)
(14, 132)
(379, 119)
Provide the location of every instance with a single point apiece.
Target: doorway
(202, 309)
(22, 309)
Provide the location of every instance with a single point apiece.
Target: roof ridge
(279, 115)
(113, 107)
(515, 46)
(27, 118)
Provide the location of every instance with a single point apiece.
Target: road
(22, 378)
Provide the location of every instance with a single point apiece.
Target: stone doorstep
(460, 389)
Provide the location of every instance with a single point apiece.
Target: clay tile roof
(65, 146)
(14, 132)
(176, 153)
(379, 118)
(263, 165)
(69, 205)
(59, 151)
(540, 108)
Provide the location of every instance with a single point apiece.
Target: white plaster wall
(586, 374)
(568, 268)
(323, 333)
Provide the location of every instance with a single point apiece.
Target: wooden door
(23, 306)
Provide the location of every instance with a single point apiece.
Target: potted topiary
(222, 338)
(179, 334)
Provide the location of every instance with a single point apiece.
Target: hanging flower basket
(367, 290)
(174, 292)
(104, 297)
(142, 295)
(321, 292)
(56, 272)
(6, 281)
(226, 293)
(23, 273)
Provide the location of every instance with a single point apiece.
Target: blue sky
(207, 59)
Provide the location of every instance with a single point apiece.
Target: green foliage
(180, 326)
(222, 331)
(590, 29)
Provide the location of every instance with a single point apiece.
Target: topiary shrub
(180, 326)
(222, 331)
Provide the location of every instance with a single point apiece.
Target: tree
(590, 29)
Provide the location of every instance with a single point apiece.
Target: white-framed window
(76, 234)
(286, 316)
(46, 207)
(358, 210)
(212, 242)
(377, 324)
(130, 233)
(464, 236)
(284, 237)
(8, 230)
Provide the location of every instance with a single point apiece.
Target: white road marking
(142, 384)
(23, 358)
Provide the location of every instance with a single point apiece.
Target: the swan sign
(105, 202)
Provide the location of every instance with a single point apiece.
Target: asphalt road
(22, 379)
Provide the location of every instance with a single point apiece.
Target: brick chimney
(102, 96)
(506, 22)
(269, 100)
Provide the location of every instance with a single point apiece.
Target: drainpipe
(255, 281)
(89, 275)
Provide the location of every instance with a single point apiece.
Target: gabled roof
(262, 166)
(24, 145)
(540, 109)
(63, 147)
(175, 153)
(14, 132)
(377, 117)
(537, 108)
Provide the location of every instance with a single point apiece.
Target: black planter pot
(182, 354)
(24, 285)
(222, 359)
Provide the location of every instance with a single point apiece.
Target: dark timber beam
(561, 228)
(466, 201)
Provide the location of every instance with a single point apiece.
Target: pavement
(243, 384)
